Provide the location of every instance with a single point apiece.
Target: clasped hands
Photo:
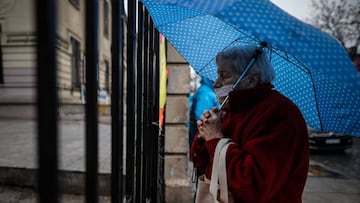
(209, 125)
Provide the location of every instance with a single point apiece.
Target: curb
(320, 170)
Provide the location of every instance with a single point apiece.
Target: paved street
(332, 178)
(71, 144)
(27, 195)
(347, 163)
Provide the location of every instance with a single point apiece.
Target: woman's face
(226, 74)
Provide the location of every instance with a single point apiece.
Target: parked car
(328, 140)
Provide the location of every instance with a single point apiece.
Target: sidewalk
(18, 163)
(331, 190)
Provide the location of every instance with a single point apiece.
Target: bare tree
(339, 18)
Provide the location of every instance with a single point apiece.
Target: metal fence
(143, 178)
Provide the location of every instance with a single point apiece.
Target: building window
(107, 76)
(75, 64)
(75, 3)
(106, 19)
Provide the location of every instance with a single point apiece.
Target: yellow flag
(163, 76)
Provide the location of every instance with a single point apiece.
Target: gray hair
(240, 56)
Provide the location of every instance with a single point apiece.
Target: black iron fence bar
(91, 112)
(117, 98)
(139, 107)
(156, 133)
(154, 112)
(147, 122)
(151, 95)
(130, 98)
(47, 101)
(150, 156)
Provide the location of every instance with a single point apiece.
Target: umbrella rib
(306, 70)
(234, 41)
(298, 64)
(255, 39)
(316, 102)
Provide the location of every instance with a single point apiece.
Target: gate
(143, 177)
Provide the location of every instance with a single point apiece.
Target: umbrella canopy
(312, 68)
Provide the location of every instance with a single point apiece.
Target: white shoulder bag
(208, 190)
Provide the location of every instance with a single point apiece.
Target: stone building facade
(18, 50)
(177, 166)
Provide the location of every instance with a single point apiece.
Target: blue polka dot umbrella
(312, 68)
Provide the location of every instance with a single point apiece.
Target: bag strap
(217, 166)
(223, 185)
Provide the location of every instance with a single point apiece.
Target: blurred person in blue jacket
(203, 99)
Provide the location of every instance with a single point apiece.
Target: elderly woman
(270, 158)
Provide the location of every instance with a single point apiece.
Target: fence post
(140, 197)
(91, 107)
(130, 99)
(47, 101)
(117, 97)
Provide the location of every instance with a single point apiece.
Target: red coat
(270, 160)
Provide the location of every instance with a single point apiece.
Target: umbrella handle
(224, 102)
(252, 61)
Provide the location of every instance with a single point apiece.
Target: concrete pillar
(177, 180)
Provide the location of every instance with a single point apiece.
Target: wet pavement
(347, 163)
(326, 181)
(27, 195)
(21, 134)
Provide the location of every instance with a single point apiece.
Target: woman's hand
(209, 125)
